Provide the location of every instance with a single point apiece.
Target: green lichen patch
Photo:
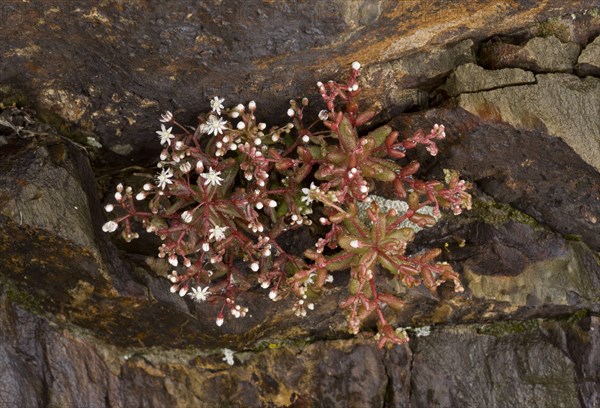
(508, 327)
(492, 212)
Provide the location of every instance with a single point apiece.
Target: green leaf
(347, 135)
(379, 135)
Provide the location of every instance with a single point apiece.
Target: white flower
(164, 178)
(218, 233)
(216, 104)
(254, 266)
(109, 207)
(215, 125)
(199, 294)
(252, 105)
(219, 321)
(165, 135)
(212, 177)
(354, 243)
(309, 194)
(291, 112)
(228, 356)
(356, 65)
(110, 226)
(323, 115)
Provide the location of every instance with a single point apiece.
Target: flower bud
(109, 207)
(110, 226)
(166, 117)
(356, 65)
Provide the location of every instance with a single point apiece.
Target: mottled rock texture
(88, 321)
(112, 66)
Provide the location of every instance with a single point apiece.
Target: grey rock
(540, 54)
(551, 362)
(512, 364)
(114, 69)
(564, 105)
(530, 171)
(588, 62)
(563, 280)
(473, 78)
(43, 186)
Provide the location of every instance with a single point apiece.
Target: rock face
(538, 55)
(589, 59)
(564, 105)
(88, 321)
(470, 77)
(117, 65)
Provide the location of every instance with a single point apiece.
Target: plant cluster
(229, 188)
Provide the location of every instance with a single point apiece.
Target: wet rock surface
(88, 321)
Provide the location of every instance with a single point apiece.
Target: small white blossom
(217, 233)
(147, 187)
(356, 65)
(262, 126)
(354, 243)
(305, 139)
(228, 356)
(165, 135)
(309, 193)
(215, 125)
(323, 115)
(290, 112)
(212, 177)
(110, 226)
(164, 178)
(140, 196)
(118, 196)
(199, 294)
(273, 294)
(240, 125)
(216, 104)
(254, 266)
(109, 207)
(219, 321)
(173, 260)
(205, 246)
(252, 105)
